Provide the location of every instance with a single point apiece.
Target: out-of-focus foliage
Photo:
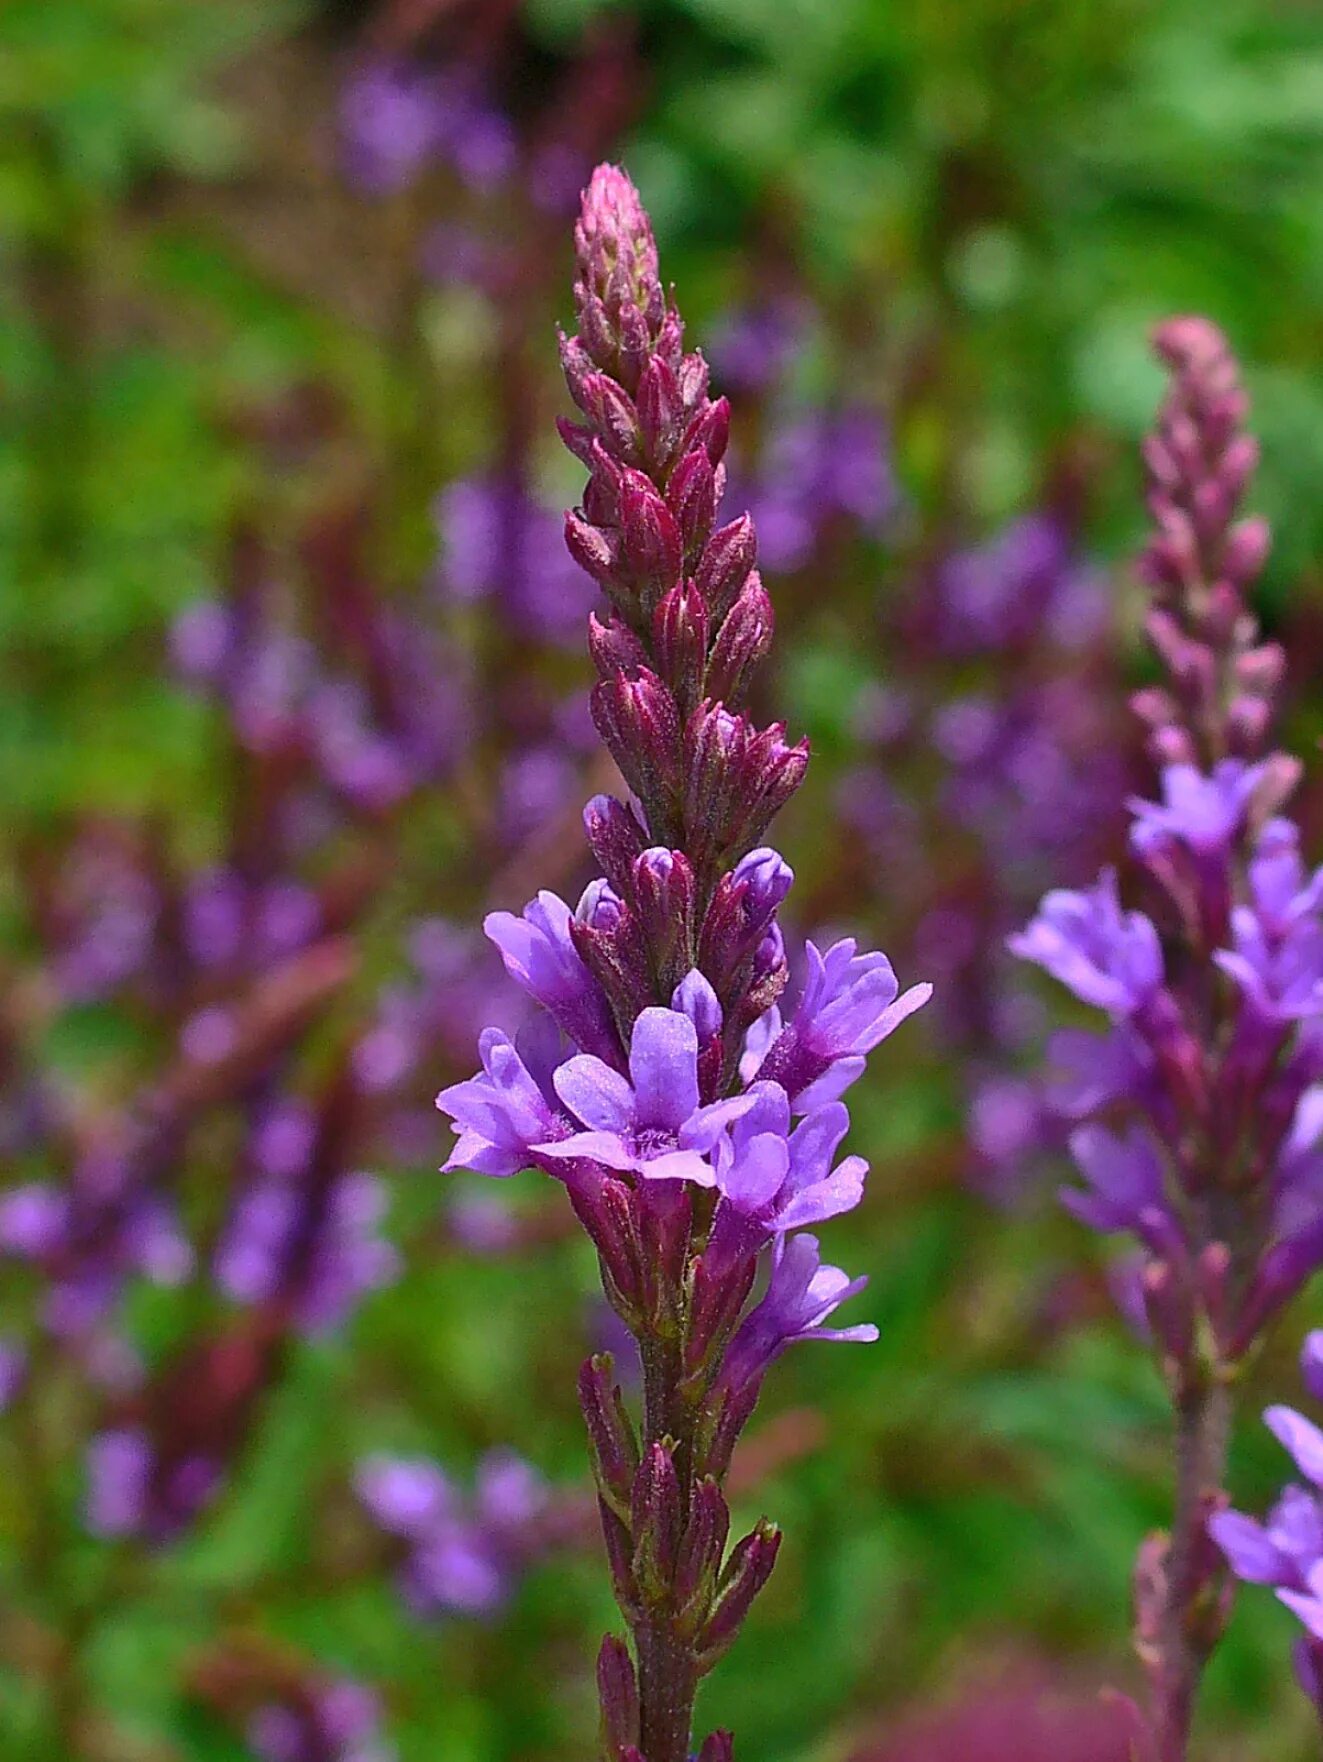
(985, 205)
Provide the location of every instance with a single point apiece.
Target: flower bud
(724, 565)
(660, 410)
(704, 1543)
(692, 494)
(719, 1747)
(657, 1517)
(695, 998)
(664, 898)
(612, 414)
(1247, 547)
(747, 1571)
(710, 429)
(594, 550)
(618, 1694)
(679, 640)
(614, 1448)
(744, 638)
(638, 720)
(615, 838)
(614, 647)
(650, 545)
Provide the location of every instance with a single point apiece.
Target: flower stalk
(695, 1131)
(1215, 999)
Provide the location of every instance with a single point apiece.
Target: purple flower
(1286, 1549)
(1276, 956)
(463, 1555)
(1107, 957)
(540, 956)
(800, 1297)
(503, 547)
(1204, 812)
(393, 117)
(1125, 1185)
(649, 1122)
(778, 1180)
(695, 998)
(319, 1247)
(848, 1005)
(507, 1110)
(335, 1721)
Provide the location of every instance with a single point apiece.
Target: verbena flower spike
(695, 1133)
(1215, 1000)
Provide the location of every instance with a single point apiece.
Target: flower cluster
(1197, 1113)
(1286, 1549)
(695, 1130)
(460, 1556)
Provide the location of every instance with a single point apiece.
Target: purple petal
(1250, 1552)
(1303, 1439)
(663, 1062)
(597, 1095)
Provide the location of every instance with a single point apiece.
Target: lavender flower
(1286, 1549)
(1215, 1046)
(665, 980)
(336, 1720)
(462, 1556)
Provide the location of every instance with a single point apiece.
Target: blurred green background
(986, 205)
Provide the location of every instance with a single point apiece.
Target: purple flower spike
(651, 1122)
(801, 1296)
(1107, 957)
(539, 955)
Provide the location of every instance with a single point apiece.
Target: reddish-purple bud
(594, 550)
(611, 411)
(663, 888)
(619, 1544)
(618, 1695)
(615, 838)
(649, 539)
(710, 430)
(660, 410)
(664, 1216)
(1246, 550)
(657, 1519)
(638, 720)
(747, 1571)
(613, 1446)
(692, 377)
(679, 642)
(744, 638)
(605, 1209)
(1262, 669)
(719, 1747)
(578, 437)
(692, 495)
(724, 565)
(634, 348)
(701, 1550)
(614, 647)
